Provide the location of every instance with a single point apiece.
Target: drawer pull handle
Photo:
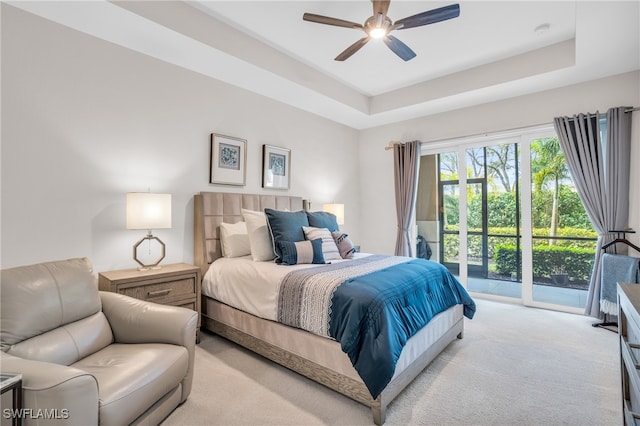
(159, 293)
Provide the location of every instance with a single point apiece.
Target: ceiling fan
(379, 26)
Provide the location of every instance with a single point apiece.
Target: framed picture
(228, 162)
(276, 167)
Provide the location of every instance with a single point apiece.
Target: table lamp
(146, 210)
(336, 209)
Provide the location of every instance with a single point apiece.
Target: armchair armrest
(69, 394)
(138, 321)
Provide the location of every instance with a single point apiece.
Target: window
(510, 224)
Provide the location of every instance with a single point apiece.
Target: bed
(311, 354)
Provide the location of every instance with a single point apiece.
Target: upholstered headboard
(213, 208)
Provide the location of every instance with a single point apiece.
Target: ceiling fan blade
(352, 49)
(429, 17)
(399, 48)
(380, 6)
(331, 21)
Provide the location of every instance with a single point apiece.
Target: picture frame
(276, 167)
(228, 160)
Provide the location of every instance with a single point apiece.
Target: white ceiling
(490, 52)
(484, 32)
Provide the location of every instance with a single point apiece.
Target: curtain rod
(391, 144)
(604, 114)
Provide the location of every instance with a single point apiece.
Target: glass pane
(475, 207)
(474, 250)
(501, 165)
(451, 248)
(506, 258)
(563, 237)
(449, 166)
(475, 163)
(451, 213)
(493, 259)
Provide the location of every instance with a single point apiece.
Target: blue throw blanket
(371, 305)
(616, 268)
(373, 316)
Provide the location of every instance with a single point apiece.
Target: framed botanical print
(228, 160)
(276, 167)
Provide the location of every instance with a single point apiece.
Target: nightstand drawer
(629, 344)
(161, 291)
(189, 305)
(629, 353)
(177, 284)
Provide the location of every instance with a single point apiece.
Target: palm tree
(549, 163)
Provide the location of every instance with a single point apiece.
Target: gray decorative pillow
(344, 243)
(329, 248)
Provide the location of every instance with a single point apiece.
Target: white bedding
(248, 285)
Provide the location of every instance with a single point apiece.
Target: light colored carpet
(515, 366)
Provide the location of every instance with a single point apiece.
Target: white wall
(85, 121)
(376, 173)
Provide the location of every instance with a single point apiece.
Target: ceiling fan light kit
(380, 25)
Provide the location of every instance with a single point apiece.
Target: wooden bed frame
(265, 337)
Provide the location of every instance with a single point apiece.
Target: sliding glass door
(449, 216)
(510, 225)
(493, 219)
(563, 239)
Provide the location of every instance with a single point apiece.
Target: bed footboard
(337, 381)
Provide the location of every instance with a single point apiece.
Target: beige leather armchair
(89, 357)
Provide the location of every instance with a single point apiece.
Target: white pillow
(329, 247)
(259, 238)
(234, 239)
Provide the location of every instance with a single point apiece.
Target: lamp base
(147, 266)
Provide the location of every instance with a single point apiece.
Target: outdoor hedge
(548, 260)
(474, 246)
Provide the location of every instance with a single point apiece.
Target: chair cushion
(68, 343)
(39, 298)
(133, 377)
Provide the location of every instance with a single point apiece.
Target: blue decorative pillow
(323, 220)
(285, 226)
(293, 253)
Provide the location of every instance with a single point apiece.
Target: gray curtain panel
(406, 159)
(601, 177)
(617, 169)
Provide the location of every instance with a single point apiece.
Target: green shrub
(548, 260)
(474, 244)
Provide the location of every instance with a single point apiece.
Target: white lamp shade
(336, 209)
(146, 210)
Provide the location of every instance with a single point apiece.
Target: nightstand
(177, 284)
(13, 382)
